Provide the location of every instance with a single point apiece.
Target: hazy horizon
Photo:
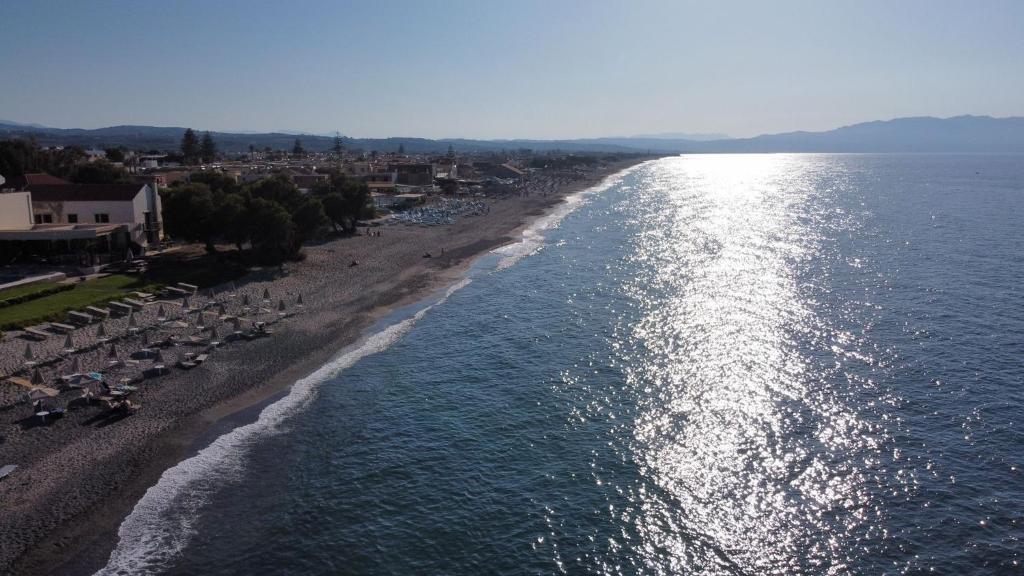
(524, 71)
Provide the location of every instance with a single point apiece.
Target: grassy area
(56, 306)
(25, 290)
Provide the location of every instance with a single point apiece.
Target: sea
(707, 364)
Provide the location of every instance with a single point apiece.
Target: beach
(76, 480)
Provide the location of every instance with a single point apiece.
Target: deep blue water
(748, 364)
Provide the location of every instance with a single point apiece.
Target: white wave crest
(162, 522)
(533, 235)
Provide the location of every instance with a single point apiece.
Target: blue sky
(488, 69)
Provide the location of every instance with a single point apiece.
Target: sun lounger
(80, 317)
(62, 328)
(144, 296)
(98, 311)
(201, 358)
(135, 303)
(37, 333)
(190, 287)
(120, 307)
(176, 291)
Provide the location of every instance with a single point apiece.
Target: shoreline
(81, 542)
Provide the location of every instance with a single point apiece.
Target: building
(413, 174)
(57, 218)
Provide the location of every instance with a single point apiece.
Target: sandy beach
(79, 477)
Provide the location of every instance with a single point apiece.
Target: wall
(15, 211)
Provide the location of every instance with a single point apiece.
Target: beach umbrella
(101, 330)
(232, 290)
(214, 335)
(37, 378)
(299, 301)
(280, 305)
(29, 355)
(75, 368)
(132, 322)
(69, 344)
(113, 351)
(213, 294)
(266, 294)
(201, 320)
(222, 309)
(159, 358)
(160, 315)
(145, 339)
(237, 323)
(245, 299)
(184, 303)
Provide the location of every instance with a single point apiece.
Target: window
(44, 218)
(72, 218)
(101, 218)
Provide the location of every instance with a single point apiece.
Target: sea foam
(162, 522)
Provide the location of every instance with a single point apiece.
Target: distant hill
(920, 134)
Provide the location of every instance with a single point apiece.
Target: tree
(99, 172)
(297, 149)
(115, 154)
(338, 147)
(335, 209)
(401, 148)
(217, 181)
(252, 151)
(309, 220)
(190, 147)
(232, 217)
(278, 188)
(271, 230)
(208, 149)
(189, 213)
(451, 152)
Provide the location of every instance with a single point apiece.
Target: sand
(80, 476)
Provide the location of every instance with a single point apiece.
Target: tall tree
(208, 149)
(338, 147)
(190, 146)
(297, 149)
(401, 148)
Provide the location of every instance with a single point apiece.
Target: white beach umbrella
(266, 294)
(184, 303)
(29, 355)
(101, 330)
(299, 301)
(214, 334)
(75, 365)
(280, 305)
(37, 378)
(145, 339)
(69, 344)
(201, 320)
(113, 351)
(132, 322)
(160, 315)
(159, 357)
(245, 300)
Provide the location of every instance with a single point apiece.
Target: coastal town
(145, 293)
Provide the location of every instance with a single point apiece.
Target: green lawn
(56, 306)
(26, 289)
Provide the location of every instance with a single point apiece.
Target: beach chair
(98, 311)
(134, 303)
(80, 318)
(190, 287)
(36, 333)
(62, 328)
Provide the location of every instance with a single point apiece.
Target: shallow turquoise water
(748, 364)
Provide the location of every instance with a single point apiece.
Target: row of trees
(19, 157)
(269, 215)
(194, 150)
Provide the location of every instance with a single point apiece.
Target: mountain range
(970, 134)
